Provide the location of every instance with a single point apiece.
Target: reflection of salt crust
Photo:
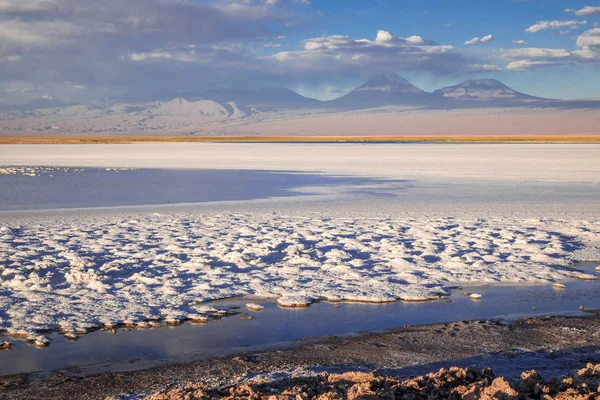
(37, 171)
(107, 270)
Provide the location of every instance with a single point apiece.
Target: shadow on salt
(55, 188)
(273, 327)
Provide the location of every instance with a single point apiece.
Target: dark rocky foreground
(453, 383)
(371, 365)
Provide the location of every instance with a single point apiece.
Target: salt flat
(74, 271)
(515, 162)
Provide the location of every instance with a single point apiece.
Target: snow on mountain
(180, 107)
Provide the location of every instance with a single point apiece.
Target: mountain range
(380, 91)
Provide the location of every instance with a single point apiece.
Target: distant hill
(221, 104)
(265, 99)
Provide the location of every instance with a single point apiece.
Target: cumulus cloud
(484, 39)
(341, 54)
(545, 25)
(587, 11)
(519, 42)
(522, 59)
(589, 45)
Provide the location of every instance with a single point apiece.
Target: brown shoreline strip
(298, 139)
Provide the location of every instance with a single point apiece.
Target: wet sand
(551, 345)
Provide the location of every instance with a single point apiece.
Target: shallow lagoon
(65, 188)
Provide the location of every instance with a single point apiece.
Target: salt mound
(254, 307)
(294, 301)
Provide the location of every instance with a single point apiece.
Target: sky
(87, 50)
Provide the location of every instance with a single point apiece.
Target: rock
(71, 336)
(558, 286)
(5, 345)
(499, 389)
(475, 296)
(581, 308)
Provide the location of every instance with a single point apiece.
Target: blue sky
(454, 22)
(82, 50)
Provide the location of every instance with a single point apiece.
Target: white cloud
(414, 40)
(589, 45)
(589, 38)
(524, 65)
(588, 11)
(484, 39)
(545, 25)
(383, 37)
(341, 54)
(162, 55)
(519, 42)
(533, 53)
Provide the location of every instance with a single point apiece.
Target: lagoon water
(66, 188)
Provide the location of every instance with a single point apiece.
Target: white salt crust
(106, 270)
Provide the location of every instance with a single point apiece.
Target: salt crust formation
(100, 271)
